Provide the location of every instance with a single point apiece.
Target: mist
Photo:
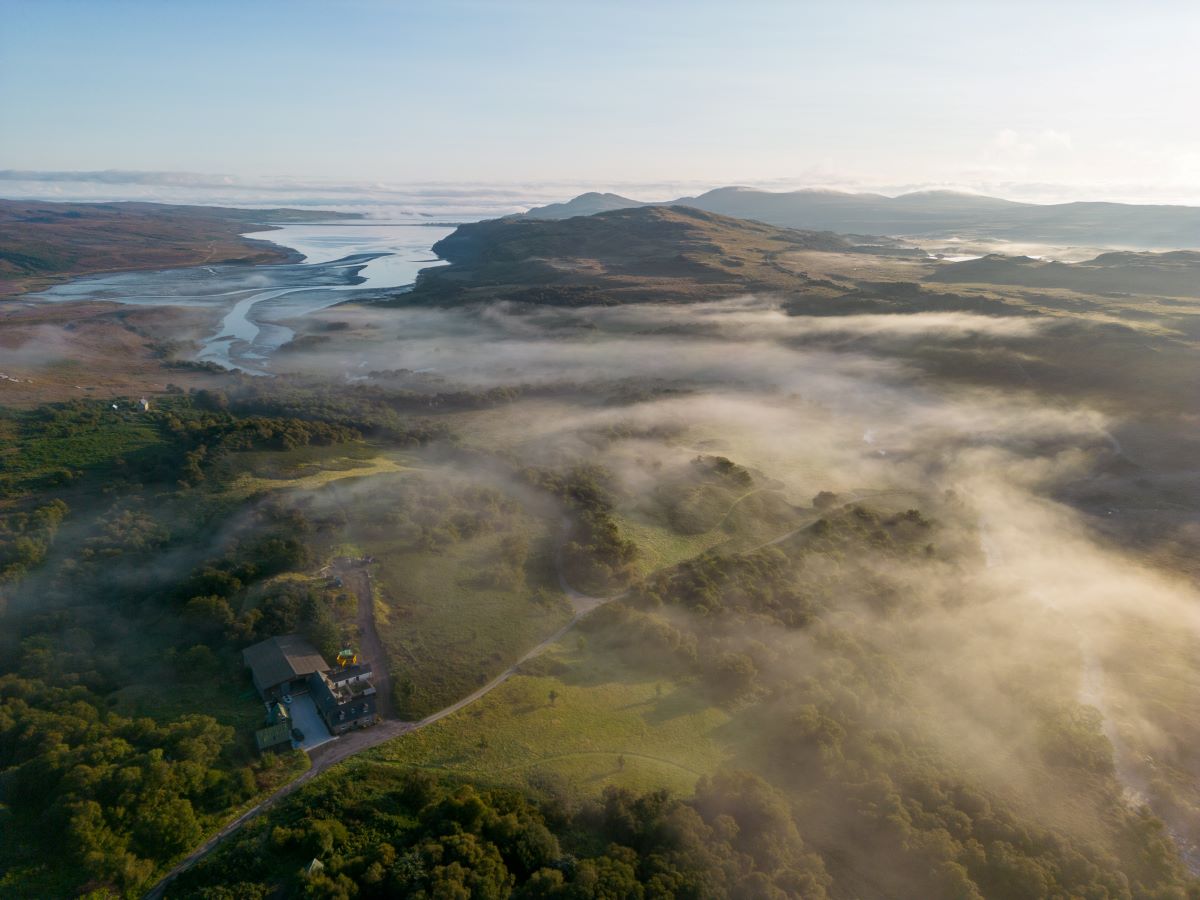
(1014, 629)
(1025, 603)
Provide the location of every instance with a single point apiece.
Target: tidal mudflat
(339, 262)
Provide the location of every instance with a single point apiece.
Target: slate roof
(281, 659)
(343, 673)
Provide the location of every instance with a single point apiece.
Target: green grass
(160, 693)
(659, 545)
(297, 462)
(447, 631)
(223, 701)
(250, 472)
(667, 732)
(754, 518)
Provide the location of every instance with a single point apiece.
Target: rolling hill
(940, 214)
(1174, 274)
(619, 256)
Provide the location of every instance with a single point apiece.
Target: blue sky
(1097, 95)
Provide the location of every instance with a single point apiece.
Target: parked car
(287, 698)
(297, 734)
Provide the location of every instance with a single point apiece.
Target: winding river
(341, 261)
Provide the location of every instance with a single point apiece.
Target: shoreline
(272, 255)
(48, 243)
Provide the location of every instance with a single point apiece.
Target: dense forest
(373, 832)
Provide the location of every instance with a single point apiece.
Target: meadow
(578, 718)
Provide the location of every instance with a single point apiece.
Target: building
(344, 697)
(283, 665)
(273, 737)
(278, 733)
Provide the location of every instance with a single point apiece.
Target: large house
(342, 694)
(344, 697)
(282, 665)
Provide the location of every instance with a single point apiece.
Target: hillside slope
(1174, 274)
(629, 255)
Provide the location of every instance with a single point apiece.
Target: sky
(656, 97)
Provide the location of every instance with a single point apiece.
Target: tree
(824, 500)
(211, 614)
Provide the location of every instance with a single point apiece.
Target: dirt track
(357, 577)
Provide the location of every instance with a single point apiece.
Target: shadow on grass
(590, 674)
(677, 703)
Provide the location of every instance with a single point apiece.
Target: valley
(870, 534)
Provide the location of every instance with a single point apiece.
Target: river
(341, 261)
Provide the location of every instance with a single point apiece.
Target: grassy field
(304, 469)
(447, 622)
(445, 630)
(222, 700)
(607, 724)
(751, 519)
(659, 545)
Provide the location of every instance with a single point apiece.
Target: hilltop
(585, 205)
(627, 255)
(932, 214)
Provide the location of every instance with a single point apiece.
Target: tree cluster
(377, 833)
(114, 796)
(596, 556)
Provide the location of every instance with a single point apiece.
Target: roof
(281, 659)
(330, 696)
(273, 735)
(344, 673)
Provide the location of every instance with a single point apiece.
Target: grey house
(283, 665)
(344, 697)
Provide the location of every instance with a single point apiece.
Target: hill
(936, 214)
(1173, 274)
(45, 242)
(628, 255)
(585, 205)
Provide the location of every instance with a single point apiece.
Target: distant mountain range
(929, 214)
